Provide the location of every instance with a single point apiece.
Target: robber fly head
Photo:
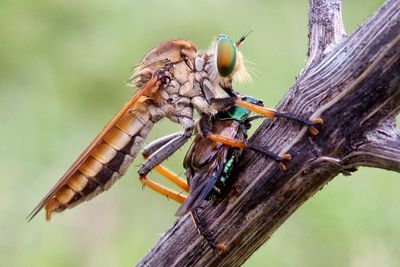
(228, 61)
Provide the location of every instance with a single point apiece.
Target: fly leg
(220, 103)
(147, 152)
(152, 148)
(200, 226)
(159, 150)
(218, 248)
(162, 150)
(246, 145)
(205, 129)
(280, 159)
(272, 113)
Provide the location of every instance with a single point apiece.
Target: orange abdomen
(107, 162)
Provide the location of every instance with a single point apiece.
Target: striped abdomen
(108, 161)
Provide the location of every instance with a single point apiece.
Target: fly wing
(203, 182)
(85, 154)
(203, 151)
(204, 163)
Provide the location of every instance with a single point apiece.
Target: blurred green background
(63, 66)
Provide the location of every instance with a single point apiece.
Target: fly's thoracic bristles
(106, 163)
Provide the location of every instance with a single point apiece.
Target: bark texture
(353, 83)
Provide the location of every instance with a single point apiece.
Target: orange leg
(242, 145)
(165, 191)
(178, 197)
(272, 113)
(267, 112)
(172, 177)
(226, 141)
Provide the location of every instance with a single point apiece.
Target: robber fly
(173, 81)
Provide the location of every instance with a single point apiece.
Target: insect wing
(76, 165)
(203, 181)
(201, 153)
(205, 162)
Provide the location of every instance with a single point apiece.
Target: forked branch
(353, 83)
(325, 28)
(380, 149)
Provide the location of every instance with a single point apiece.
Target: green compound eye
(225, 55)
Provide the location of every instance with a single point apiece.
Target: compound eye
(225, 55)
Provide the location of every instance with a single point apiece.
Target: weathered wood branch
(380, 149)
(325, 28)
(353, 83)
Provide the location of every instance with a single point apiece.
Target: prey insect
(209, 163)
(174, 80)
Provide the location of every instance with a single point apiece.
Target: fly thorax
(184, 111)
(178, 106)
(168, 110)
(201, 105)
(182, 108)
(156, 113)
(172, 88)
(180, 72)
(199, 63)
(190, 88)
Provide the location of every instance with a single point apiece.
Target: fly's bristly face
(227, 61)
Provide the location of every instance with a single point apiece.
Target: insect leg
(205, 129)
(152, 148)
(272, 113)
(172, 177)
(269, 154)
(161, 154)
(205, 233)
(244, 144)
(168, 148)
(169, 193)
(148, 150)
(223, 102)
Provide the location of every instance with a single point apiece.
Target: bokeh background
(63, 67)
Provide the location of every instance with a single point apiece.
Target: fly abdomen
(107, 162)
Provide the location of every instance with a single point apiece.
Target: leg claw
(283, 157)
(219, 248)
(286, 157)
(317, 121)
(282, 166)
(314, 131)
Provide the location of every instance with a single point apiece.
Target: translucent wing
(77, 164)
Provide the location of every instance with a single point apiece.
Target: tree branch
(381, 149)
(355, 87)
(325, 28)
